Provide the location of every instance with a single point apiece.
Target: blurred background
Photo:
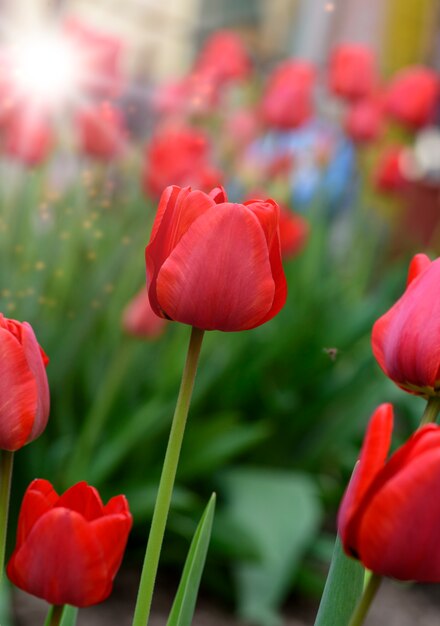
(330, 108)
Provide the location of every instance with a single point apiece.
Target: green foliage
(281, 513)
(342, 590)
(68, 618)
(291, 397)
(184, 603)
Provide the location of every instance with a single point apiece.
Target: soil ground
(395, 605)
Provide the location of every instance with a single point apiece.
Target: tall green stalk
(161, 509)
(6, 465)
(366, 599)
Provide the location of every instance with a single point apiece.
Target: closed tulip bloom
(69, 547)
(389, 177)
(390, 515)
(364, 120)
(214, 264)
(412, 96)
(352, 71)
(179, 155)
(294, 232)
(406, 340)
(140, 320)
(28, 137)
(101, 131)
(224, 57)
(24, 390)
(288, 98)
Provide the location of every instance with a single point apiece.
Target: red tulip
(69, 548)
(294, 230)
(214, 264)
(389, 516)
(412, 96)
(287, 100)
(352, 71)
(178, 155)
(140, 320)
(406, 340)
(389, 177)
(102, 132)
(364, 120)
(99, 58)
(28, 137)
(224, 57)
(24, 390)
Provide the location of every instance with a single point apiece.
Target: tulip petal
(36, 363)
(76, 574)
(83, 499)
(39, 498)
(398, 534)
(372, 459)
(18, 393)
(418, 265)
(219, 274)
(177, 210)
(406, 340)
(111, 532)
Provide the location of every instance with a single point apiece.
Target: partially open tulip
(140, 320)
(352, 71)
(179, 155)
(390, 515)
(101, 131)
(406, 340)
(69, 547)
(215, 264)
(24, 390)
(288, 98)
(412, 96)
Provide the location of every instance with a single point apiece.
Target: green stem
(431, 411)
(6, 465)
(367, 597)
(163, 500)
(55, 615)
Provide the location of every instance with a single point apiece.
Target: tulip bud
(24, 390)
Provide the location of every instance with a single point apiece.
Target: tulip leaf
(342, 591)
(183, 607)
(280, 511)
(68, 618)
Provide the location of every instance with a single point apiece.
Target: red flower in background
(69, 548)
(24, 390)
(294, 232)
(406, 340)
(28, 136)
(352, 71)
(412, 96)
(224, 57)
(140, 320)
(101, 131)
(179, 155)
(364, 120)
(389, 177)
(214, 264)
(100, 58)
(389, 517)
(287, 99)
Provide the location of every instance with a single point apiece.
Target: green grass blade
(184, 603)
(343, 589)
